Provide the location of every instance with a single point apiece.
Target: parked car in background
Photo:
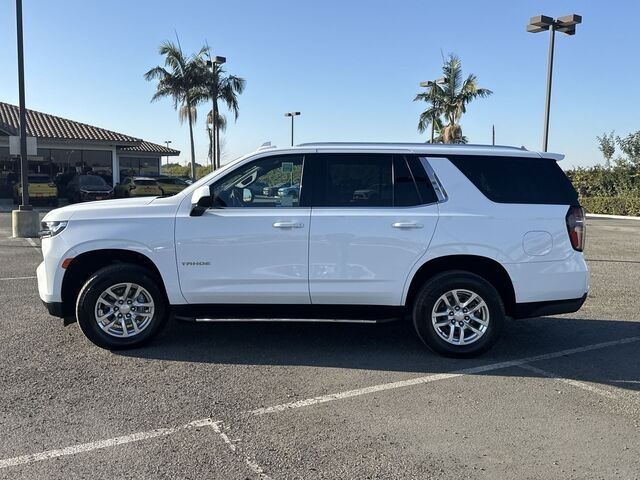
(138, 187)
(272, 190)
(292, 191)
(41, 190)
(171, 185)
(87, 188)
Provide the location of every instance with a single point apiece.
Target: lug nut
(128, 315)
(119, 315)
(466, 317)
(116, 309)
(457, 308)
(451, 312)
(128, 302)
(461, 323)
(464, 310)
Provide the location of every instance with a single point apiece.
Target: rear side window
(145, 182)
(353, 180)
(518, 180)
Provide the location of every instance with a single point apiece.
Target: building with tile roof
(67, 147)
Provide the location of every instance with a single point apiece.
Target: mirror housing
(201, 199)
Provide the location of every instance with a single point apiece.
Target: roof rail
(411, 144)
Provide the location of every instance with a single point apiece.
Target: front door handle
(288, 225)
(407, 225)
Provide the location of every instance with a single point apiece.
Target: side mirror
(201, 199)
(247, 195)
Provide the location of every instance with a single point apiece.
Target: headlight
(51, 229)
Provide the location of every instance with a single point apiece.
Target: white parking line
(32, 242)
(161, 432)
(439, 376)
(255, 468)
(111, 442)
(569, 381)
(19, 278)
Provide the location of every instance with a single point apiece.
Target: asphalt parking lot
(558, 397)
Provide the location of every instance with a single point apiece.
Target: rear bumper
(553, 307)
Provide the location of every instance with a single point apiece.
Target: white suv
(456, 237)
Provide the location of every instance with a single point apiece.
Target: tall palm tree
(224, 88)
(180, 79)
(450, 100)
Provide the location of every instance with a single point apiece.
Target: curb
(617, 217)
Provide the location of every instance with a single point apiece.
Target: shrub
(612, 205)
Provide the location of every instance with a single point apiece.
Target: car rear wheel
(458, 314)
(120, 307)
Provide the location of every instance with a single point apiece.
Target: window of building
(139, 166)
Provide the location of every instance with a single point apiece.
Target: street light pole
(432, 84)
(215, 130)
(292, 115)
(24, 166)
(547, 107)
(167, 142)
(566, 25)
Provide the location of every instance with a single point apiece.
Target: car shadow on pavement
(395, 347)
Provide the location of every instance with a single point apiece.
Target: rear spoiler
(552, 156)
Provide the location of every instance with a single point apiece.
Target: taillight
(576, 227)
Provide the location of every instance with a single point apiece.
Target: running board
(289, 313)
(284, 320)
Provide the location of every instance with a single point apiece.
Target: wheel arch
(87, 263)
(484, 267)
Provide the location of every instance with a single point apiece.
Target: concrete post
(26, 223)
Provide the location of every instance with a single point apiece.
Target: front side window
(266, 183)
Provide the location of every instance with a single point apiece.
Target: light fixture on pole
(292, 115)
(167, 142)
(431, 84)
(215, 130)
(566, 25)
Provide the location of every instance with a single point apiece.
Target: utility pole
(493, 135)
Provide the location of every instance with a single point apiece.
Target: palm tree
(225, 88)
(180, 79)
(449, 100)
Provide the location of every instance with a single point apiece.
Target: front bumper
(54, 308)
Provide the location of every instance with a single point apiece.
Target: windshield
(92, 180)
(38, 179)
(139, 181)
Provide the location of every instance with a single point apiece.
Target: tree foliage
(447, 101)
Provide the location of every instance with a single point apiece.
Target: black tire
(97, 284)
(430, 293)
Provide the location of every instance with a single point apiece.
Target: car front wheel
(458, 314)
(120, 306)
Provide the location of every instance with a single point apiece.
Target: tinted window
(353, 180)
(405, 193)
(427, 193)
(268, 182)
(144, 182)
(518, 180)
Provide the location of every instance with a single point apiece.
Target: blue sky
(351, 67)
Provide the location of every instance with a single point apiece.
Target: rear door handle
(407, 225)
(288, 225)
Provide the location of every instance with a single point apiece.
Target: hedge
(612, 205)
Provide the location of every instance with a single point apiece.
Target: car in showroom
(457, 239)
(41, 190)
(138, 187)
(88, 188)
